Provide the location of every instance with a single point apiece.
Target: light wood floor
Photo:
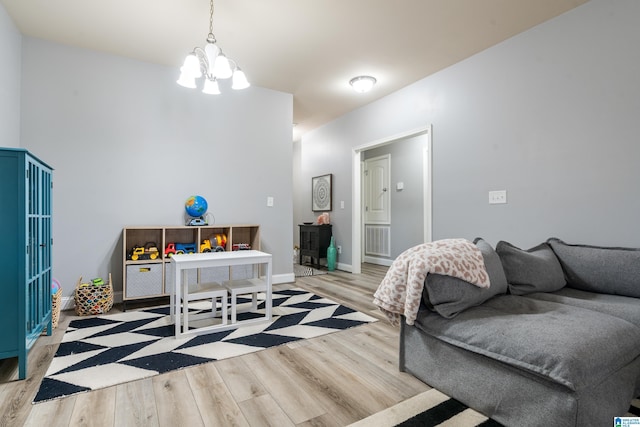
(331, 380)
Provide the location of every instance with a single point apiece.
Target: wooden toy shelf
(148, 278)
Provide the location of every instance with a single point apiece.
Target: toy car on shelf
(219, 239)
(179, 248)
(205, 246)
(148, 251)
(197, 221)
(185, 248)
(170, 250)
(241, 247)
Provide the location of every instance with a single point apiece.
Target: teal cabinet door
(25, 267)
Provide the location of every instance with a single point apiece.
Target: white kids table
(182, 292)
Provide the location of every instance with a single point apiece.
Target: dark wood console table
(314, 241)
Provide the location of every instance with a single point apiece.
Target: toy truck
(152, 250)
(137, 252)
(148, 251)
(205, 246)
(179, 248)
(185, 248)
(240, 247)
(170, 250)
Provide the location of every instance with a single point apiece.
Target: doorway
(360, 215)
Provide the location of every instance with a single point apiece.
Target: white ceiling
(310, 48)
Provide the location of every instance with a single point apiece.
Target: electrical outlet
(497, 197)
(339, 249)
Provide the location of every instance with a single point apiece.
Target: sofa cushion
(608, 270)
(626, 308)
(532, 270)
(565, 344)
(449, 295)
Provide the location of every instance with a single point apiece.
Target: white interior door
(358, 189)
(376, 178)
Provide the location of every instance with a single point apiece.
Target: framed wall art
(321, 193)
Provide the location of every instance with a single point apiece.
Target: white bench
(244, 287)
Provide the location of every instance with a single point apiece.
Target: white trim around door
(356, 188)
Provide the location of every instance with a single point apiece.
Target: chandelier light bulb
(186, 80)
(222, 68)
(239, 80)
(191, 66)
(211, 87)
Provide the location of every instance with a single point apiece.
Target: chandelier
(211, 64)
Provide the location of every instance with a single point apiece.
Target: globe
(196, 206)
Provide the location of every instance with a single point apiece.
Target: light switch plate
(497, 197)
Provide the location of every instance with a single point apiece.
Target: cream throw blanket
(401, 289)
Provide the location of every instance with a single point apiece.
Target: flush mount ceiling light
(362, 83)
(211, 64)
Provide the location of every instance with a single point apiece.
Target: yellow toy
(220, 239)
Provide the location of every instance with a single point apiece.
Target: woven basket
(93, 299)
(56, 302)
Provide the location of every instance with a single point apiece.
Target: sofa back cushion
(532, 270)
(448, 295)
(607, 270)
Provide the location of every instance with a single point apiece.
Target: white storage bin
(143, 280)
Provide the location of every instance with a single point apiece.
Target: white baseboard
(67, 303)
(379, 261)
(344, 267)
(283, 278)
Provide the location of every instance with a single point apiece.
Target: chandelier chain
(211, 17)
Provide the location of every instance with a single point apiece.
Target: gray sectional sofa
(554, 341)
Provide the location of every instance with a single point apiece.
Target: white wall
(129, 146)
(10, 43)
(549, 115)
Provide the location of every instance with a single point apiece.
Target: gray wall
(10, 43)
(407, 219)
(549, 115)
(129, 146)
(319, 158)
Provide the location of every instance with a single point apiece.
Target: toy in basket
(93, 298)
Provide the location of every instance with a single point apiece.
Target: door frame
(356, 190)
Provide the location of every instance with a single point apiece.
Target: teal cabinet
(25, 264)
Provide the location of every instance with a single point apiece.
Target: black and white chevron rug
(306, 270)
(103, 351)
(433, 408)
